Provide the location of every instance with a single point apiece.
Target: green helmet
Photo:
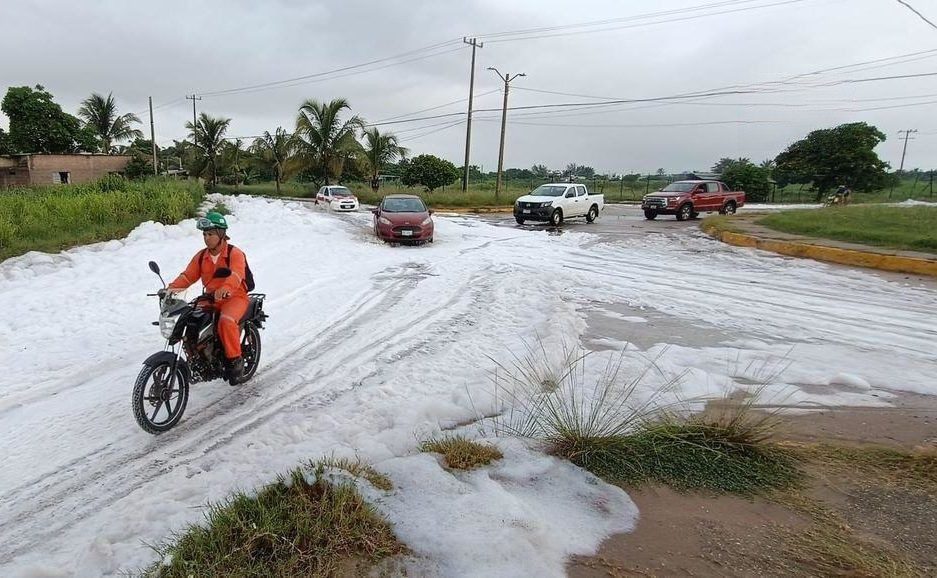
(212, 220)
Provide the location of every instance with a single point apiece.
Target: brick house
(47, 169)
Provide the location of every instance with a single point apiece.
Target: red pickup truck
(687, 199)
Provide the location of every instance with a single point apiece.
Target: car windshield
(549, 191)
(403, 206)
(678, 187)
(341, 192)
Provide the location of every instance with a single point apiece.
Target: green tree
(273, 151)
(430, 171)
(540, 171)
(139, 167)
(5, 145)
(844, 155)
(324, 142)
(38, 125)
(381, 150)
(100, 115)
(743, 175)
(208, 135)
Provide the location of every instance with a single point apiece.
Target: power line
(318, 76)
(458, 101)
(911, 8)
(615, 23)
(639, 24)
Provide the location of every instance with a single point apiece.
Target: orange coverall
(231, 308)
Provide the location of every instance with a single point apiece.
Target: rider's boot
(235, 370)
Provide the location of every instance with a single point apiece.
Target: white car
(555, 202)
(337, 198)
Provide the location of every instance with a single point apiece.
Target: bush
(430, 171)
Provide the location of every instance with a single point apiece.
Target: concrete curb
(885, 262)
(474, 210)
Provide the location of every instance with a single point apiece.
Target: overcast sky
(642, 49)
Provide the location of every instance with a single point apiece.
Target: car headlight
(427, 221)
(166, 325)
(383, 221)
(547, 204)
(671, 201)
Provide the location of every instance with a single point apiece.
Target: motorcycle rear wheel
(158, 401)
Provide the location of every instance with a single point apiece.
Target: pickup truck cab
(687, 199)
(555, 202)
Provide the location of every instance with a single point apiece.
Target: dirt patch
(694, 535)
(911, 421)
(848, 520)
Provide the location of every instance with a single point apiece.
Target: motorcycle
(193, 354)
(834, 200)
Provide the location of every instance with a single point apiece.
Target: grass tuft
(462, 453)
(356, 468)
(686, 454)
(302, 525)
(625, 432)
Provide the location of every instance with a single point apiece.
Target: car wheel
(650, 215)
(729, 209)
(519, 220)
(592, 214)
(556, 219)
(685, 212)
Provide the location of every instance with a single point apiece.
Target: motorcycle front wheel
(250, 351)
(159, 398)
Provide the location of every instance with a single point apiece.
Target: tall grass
(58, 217)
(627, 430)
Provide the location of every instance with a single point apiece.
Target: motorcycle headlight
(383, 221)
(166, 325)
(427, 221)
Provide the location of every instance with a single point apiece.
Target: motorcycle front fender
(169, 357)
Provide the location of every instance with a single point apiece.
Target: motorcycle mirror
(222, 272)
(155, 268)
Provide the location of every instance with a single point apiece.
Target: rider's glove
(222, 293)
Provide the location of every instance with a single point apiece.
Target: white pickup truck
(555, 202)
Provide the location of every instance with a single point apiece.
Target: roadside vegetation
(909, 228)
(604, 427)
(59, 217)
(308, 523)
(732, 446)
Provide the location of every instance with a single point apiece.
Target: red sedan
(403, 219)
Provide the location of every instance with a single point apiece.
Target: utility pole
(904, 151)
(153, 138)
(468, 127)
(193, 98)
(907, 135)
(507, 78)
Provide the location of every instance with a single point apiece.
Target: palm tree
(100, 114)
(381, 149)
(208, 135)
(323, 139)
(274, 150)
